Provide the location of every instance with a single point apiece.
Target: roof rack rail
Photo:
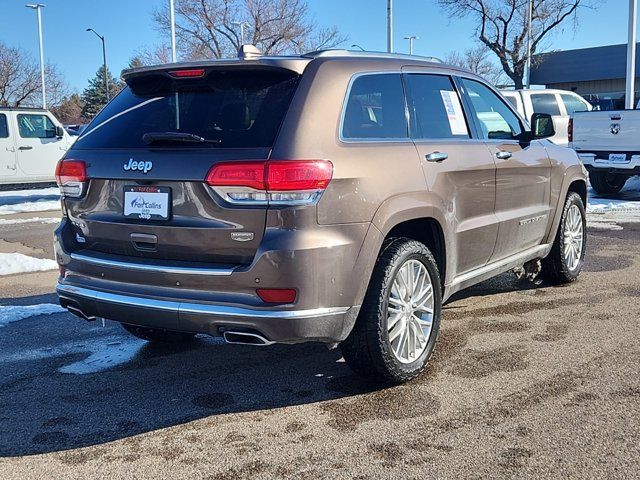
(33, 109)
(337, 52)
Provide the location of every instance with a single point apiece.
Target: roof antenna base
(249, 52)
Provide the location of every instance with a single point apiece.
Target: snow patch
(43, 206)
(11, 263)
(34, 193)
(627, 200)
(15, 221)
(13, 313)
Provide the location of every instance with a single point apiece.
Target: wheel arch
(575, 180)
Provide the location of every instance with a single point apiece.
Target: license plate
(147, 203)
(618, 157)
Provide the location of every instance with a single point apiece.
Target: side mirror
(59, 131)
(542, 126)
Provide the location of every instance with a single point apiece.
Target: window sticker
(454, 112)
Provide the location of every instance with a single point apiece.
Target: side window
(573, 104)
(495, 119)
(436, 110)
(375, 108)
(4, 127)
(36, 126)
(512, 100)
(545, 103)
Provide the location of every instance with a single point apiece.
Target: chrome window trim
(345, 101)
(223, 311)
(103, 262)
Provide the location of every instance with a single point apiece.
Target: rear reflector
(274, 181)
(71, 176)
(191, 73)
(277, 295)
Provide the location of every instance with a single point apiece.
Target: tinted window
(4, 128)
(545, 103)
(512, 100)
(36, 126)
(435, 107)
(495, 119)
(375, 108)
(573, 104)
(230, 108)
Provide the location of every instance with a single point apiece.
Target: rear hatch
(148, 153)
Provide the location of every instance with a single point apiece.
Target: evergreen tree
(94, 97)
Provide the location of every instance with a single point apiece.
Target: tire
(557, 266)
(606, 183)
(157, 334)
(368, 349)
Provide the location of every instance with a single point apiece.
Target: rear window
(573, 104)
(227, 108)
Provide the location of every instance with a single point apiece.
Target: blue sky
(127, 26)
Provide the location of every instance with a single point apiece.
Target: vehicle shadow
(504, 283)
(88, 385)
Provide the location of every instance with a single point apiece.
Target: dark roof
(586, 64)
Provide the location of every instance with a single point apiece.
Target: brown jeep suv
(336, 197)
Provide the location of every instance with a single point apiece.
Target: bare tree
(477, 60)
(503, 26)
(210, 28)
(20, 80)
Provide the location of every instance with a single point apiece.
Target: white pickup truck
(31, 143)
(560, 104)
(608, 143)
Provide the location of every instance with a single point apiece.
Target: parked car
(560, 104)
(31, 142)
(608, 143)
(337, 197)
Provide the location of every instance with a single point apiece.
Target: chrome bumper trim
(197, 308)
(146, 267)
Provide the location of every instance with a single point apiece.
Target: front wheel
(606, 183)
(157, 334)
(398, 325)
(564, 262)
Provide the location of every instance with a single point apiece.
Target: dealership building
(598, 74)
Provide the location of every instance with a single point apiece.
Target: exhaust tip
(245, 338)
(79, 313)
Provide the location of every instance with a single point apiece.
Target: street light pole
(411, 38)
(390, 26)
(37, 7)
(241, 25)
(631, 55)
(104, 63)
(529, 25)
(173, 30)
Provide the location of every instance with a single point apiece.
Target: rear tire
(564, 262)
(606, 183)
(157, 334)
(399, 309)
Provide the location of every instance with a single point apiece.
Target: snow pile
(627, 200)
(11, 313)
(42, 206)
(34, 194)
(11, 263)
(36, 200)
(15, 221)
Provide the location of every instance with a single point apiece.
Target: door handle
(504, 155)
(436, 157)
(25, 147)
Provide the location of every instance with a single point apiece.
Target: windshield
(227, 109)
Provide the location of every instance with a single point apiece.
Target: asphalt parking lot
(527, 380)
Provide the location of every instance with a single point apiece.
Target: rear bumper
(327, 325)
(592, 162)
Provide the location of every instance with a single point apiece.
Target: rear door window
(545, 103)
(375, 108)
(495, 119)
(573, 104)
(435, 108)
(240, 108)
(35, 126)
(4, 127)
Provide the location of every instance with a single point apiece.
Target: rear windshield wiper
(180, 137)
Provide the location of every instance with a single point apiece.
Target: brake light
(274, 182)
(277, 295)
(71, 176)
(570, 130)
(190, 73)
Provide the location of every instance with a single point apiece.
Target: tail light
(570, 130)
(71, 176)
(277, 295)
(272, 182)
